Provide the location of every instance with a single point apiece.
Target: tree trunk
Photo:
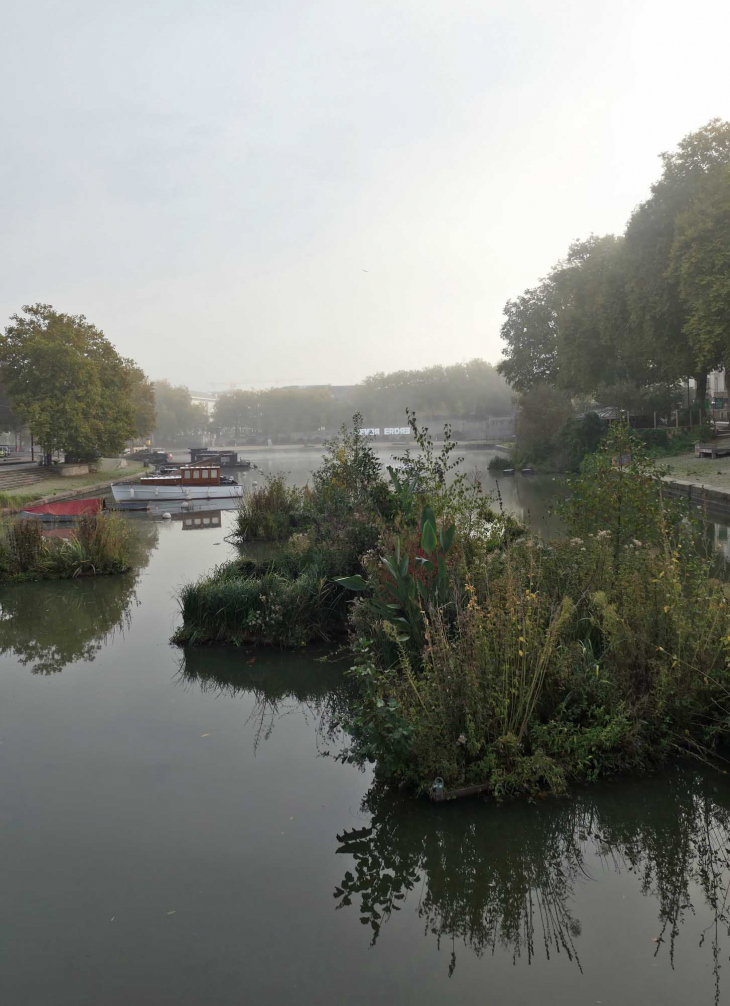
(701, 389)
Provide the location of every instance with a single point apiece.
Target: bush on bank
(98, 545)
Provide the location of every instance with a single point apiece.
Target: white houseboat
(193, 483)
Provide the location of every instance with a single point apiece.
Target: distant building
(205, 398)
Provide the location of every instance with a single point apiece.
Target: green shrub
(269, 609)
(98, 544)
(499, 462)
(270, 512)
(541, 663)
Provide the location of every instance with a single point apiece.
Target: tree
(237, 411)
(177, 416)
(590, 302)
(66, 381)
(541, 412)
(659, 310)
(629, 311)
(143, 399)
(530, 330)
(474, 389)
(701, 267)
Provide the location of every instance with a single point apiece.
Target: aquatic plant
(270, 512)
(96, 545)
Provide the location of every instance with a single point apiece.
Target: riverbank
(66, 488)
(700, 481)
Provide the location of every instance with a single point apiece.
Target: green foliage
(474, 389)
(644, 310)
(177, 417)
(499, 463)
(619, 490)
(97, 545)
(142, 395)
(541, 413)
(263, 606)
(65, 380)
(560, 663)
(578, 437)
(270, 512)
(530, 332)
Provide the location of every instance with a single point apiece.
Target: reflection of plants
(279, 684)
(485, 890)
(52, 623)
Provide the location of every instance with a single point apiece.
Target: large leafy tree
(644, 311)
(701, 268)
(530, 330)
(65, 380)
(658, 305)
(592, 343)
(143, 399)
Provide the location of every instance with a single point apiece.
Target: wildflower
(576, 541)
(637, 543)
(603, 534)
(461, 739)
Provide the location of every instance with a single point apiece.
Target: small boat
(528, 471)
(508, 471)
(67, 510)
(189, 483)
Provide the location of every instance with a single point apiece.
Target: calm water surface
(175, 830)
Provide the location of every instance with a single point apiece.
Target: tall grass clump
(270, 512)
(266, 609)
(542, 663)
(98, 545)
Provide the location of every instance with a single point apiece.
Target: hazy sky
(208, 181)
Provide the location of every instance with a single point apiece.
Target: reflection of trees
(281, 683)
(52, 623)
(506, 877)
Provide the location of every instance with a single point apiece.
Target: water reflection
(50, 624)
(510, 877)
(281, 683)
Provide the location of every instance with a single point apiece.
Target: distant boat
(68, 510)
(192, 483)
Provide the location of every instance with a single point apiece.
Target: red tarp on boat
(71, 508)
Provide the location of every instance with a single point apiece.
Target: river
(175, 829)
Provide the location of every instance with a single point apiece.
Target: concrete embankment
(714, 498)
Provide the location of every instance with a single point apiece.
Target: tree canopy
(66, 382)
(648, 308)
(177, 415)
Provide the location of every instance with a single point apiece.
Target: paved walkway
(702, 471)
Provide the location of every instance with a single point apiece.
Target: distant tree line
(472, 390)
(64, 382)
(628, 317)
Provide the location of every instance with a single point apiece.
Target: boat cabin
(203, 475)
(209, 455)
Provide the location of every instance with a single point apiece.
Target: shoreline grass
(98, 545)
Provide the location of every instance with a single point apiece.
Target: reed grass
(99, 544)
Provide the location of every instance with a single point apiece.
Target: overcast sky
(273, 192)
